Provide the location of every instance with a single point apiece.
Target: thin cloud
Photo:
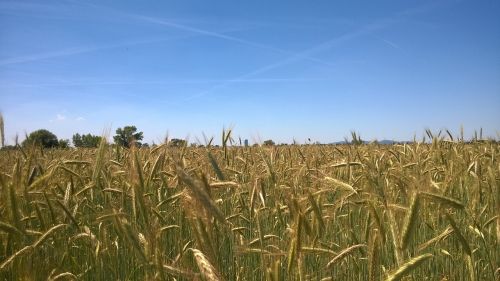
(80, 119)
(301, 55)
(390, 43)
(199, 31)
(76, 51)
(163, 82)
(59, 118)
(387, 42)
(364, 30)
(16, 6)
(222, 36)
(49, 55)
(93, 48)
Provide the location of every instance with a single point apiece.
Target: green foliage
(87, 140)
(269, 142)
(177, 143)
(9, 147)
(128, 136)
(63, 143)
(43, 138)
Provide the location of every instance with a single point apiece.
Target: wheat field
(416, 211)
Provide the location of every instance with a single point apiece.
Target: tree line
(128, 137)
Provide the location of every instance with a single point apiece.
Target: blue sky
(269, 69)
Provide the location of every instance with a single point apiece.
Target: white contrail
(87, 49)
(200, 31)
(160, 82)
(92, 48)
(301, 55)
(367, 29)
(222, 36)
(74, 51)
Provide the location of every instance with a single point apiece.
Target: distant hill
(387, 142)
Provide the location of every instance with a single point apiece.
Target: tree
(177, 143)
(9, 147)
(87, 140)
(128, 136)
(77, 140)
(63, 143)
(269, 142)
(43, 138)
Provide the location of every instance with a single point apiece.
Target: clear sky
(269, 69)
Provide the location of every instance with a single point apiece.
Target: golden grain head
(296, 212)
